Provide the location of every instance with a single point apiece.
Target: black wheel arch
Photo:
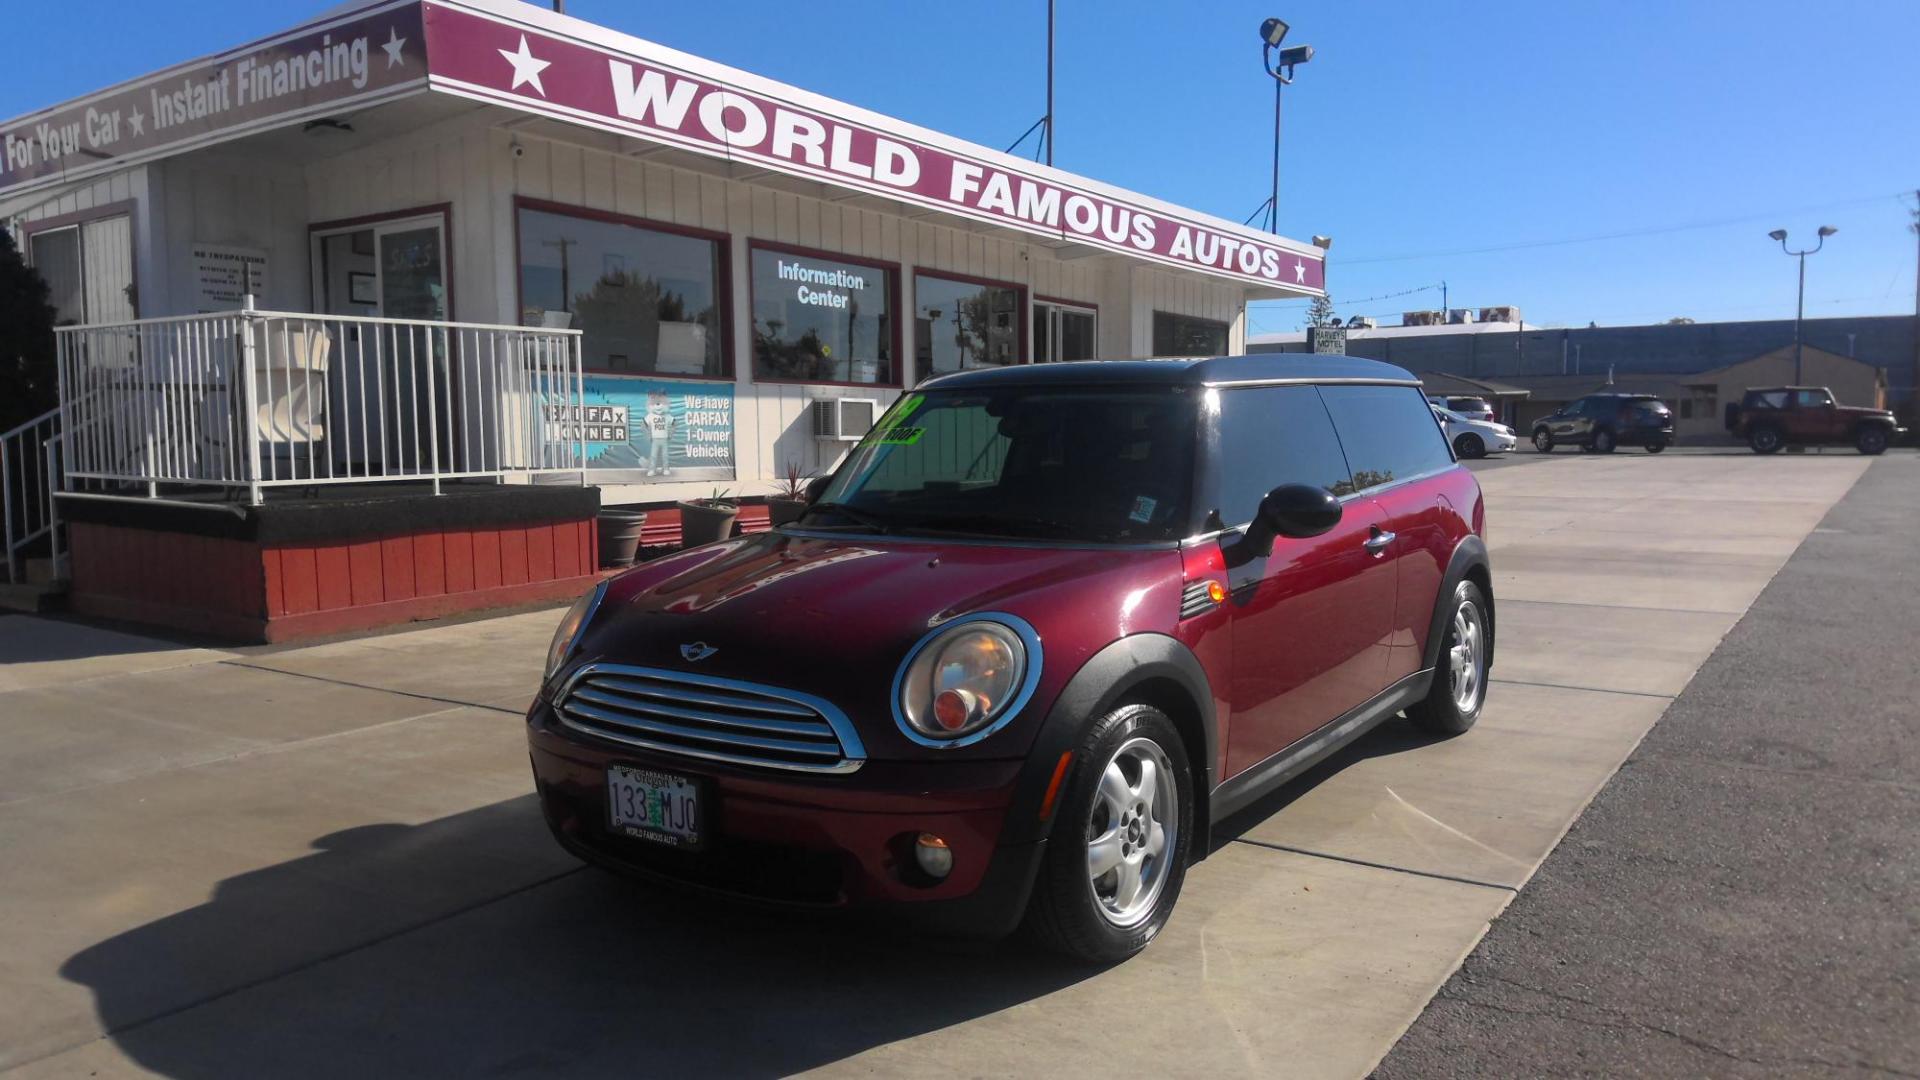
(1150, 668)
(1468, 563)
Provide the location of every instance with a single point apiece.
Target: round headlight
(569, 629)
(959, 681)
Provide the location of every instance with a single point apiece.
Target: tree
(1320, 312)
(29, 381)
(1679, 320)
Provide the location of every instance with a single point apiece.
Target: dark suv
(1775, 416)
(1603, 422)
(1042, 628)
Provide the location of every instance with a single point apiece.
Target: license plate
(654, 806)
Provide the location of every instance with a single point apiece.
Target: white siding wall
(231, 197)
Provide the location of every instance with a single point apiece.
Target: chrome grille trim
(709, 718)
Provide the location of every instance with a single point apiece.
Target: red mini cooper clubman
(1038, 632)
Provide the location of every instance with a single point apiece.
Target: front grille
(713, 719)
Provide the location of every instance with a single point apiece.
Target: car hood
(836, 617)
(1864, 411)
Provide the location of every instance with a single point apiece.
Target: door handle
(1376, 544)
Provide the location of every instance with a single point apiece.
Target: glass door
(384, 377)
(1064, 332)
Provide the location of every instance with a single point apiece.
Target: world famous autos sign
(678, 100)
(309, 72)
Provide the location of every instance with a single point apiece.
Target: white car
(1475, 438)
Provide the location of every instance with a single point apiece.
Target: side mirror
(1295, 510)
(816, 488)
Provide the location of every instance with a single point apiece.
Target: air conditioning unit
(1503, 313)
(846, 419)
(1362, 322)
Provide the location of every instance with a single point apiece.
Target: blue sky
(1420, 136)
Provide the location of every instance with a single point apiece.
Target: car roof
(1193, 371)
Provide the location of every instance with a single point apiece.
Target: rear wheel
(1872, 440)
(1118, 852)
(1460, 679)
(1470, 445)
(1543, 440)
(1603, 441)
(1765, 439)
(1655, 447)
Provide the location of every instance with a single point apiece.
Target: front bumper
(806, 841)
(1505, 442)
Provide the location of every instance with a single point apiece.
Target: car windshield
(1471, 404)
(1076, 464)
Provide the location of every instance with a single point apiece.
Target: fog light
(933, 855)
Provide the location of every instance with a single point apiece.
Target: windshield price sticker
(901, 436)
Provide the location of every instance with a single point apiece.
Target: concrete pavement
(317, 860)
(1743, 899)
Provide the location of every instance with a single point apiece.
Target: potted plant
(702, 521)
(788, 503)
(619, 529)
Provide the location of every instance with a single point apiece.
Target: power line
(1624, 235)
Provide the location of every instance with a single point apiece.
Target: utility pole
(1914, 400)
(1050, 4)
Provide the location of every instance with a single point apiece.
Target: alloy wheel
(1466, 657)
(1132, 832)
(1543, 440)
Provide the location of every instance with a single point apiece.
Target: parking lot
(323, 860)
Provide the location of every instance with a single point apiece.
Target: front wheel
(1871, 441)
(1118, 852)
(1460, 679)
(1470, 446)
(1543, 440)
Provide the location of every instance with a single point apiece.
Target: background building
(1558, 365)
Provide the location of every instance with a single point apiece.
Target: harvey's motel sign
(585, 75)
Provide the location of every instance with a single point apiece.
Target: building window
(821, 318)
(959, 324)
(647, 299)
(88, 269)
(1186, 335)
(1686, 408)
(1064, 332)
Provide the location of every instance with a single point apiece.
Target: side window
(1767, 399)
(1387, 433)
(1812, 399)
(1273, 435)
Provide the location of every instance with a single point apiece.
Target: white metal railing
(258, 399)
(29, 471)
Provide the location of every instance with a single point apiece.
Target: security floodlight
(1299, 54)
(1828, 230)
(1273, 32)
(1323, 242)
(1779, 234)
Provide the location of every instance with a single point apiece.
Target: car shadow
(1396, 735)
(466, 946)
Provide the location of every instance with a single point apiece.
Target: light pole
(1278, 63)
(1800, 310)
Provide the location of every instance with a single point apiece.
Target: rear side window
(1388, 433)
(1273, 435)
(1767, 399)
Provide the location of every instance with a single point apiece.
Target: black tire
(1470, 445)
(1765, 439)
(1064, 914)
(1604, 442)
(1444, 712)
(1871, 440)
(1543, 440)
(1656, 447)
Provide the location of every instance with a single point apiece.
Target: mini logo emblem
(697, 650)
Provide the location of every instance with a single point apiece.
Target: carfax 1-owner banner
(650, 430)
